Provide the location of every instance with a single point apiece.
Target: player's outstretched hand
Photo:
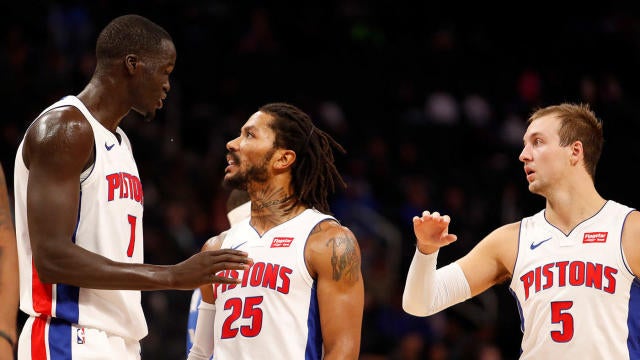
(203, 268)
(432, 231)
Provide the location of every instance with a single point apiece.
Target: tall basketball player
(573, 267)
(79, 202)
(303, 297)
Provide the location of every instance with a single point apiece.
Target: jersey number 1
(132, 234)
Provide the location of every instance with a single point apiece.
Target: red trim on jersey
(38, 345)
(40, 293)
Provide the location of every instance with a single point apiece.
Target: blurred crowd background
(430, 100)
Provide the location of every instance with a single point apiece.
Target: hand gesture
(432, 232)
(203, 268)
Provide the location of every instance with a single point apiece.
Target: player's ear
(131, 62)
(284, 159)
(577, 152)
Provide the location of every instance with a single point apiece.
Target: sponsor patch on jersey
(594, 237)
(278, 242)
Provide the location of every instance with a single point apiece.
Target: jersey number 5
(249, 310)
(559, 315)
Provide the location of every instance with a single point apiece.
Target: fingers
(233, 257)
(431, 217)
(215, 279)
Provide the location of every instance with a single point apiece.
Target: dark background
(430, 101)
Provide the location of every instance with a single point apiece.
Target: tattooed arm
(333, 259)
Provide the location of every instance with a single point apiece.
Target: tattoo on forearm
(344, 258)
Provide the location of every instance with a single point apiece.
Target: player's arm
(491, 261)
(203, 338)
(57, 149)
(428, 291)
(631, 241)
(333, 258)
(8, 274)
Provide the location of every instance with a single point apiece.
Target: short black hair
(130, 34)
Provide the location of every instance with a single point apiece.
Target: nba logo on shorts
(80, 336)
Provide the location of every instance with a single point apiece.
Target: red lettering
(548, 274)
(129, 187)
(576, 273)
(113, 181)
(527, 281)
(270, 276)
(257, 272)
(608, 273)
(562, 272)
(286, 282)
(593, 277)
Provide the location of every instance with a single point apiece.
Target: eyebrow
(533, 134)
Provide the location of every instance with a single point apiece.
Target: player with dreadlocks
(303, 296)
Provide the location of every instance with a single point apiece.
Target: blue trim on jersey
(68, 296)
(313, 350)
(59, 339)
(633, 321)
(519, 314)
(75, 231)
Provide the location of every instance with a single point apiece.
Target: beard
(255, 173)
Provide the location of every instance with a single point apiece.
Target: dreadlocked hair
(314, 174)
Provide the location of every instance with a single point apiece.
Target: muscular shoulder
(333, 248)
(62, 131)
(507, 232)
(214, 243)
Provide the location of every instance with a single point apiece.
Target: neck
(98, 96)
(273, 206)
(566, 210)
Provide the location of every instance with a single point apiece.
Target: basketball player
(238, 208)
(303, 296)
(573, 267)
(8, 275)
(79, 202)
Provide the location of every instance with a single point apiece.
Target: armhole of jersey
(86, 175)
(515, 263)
(623, 258)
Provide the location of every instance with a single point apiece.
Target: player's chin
(149, 115)
(232, 182)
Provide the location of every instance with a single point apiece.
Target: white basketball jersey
(577, 297)
(109, 223)
(273, 313)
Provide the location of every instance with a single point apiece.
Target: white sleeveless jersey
(273, 313)
(576, 295)
(109, 223)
